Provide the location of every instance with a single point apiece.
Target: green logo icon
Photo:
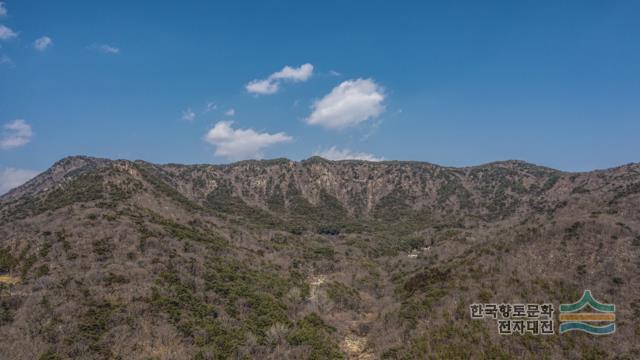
(572, 319)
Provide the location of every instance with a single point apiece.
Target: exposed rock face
(136, 260)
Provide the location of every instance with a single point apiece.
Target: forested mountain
(316, 259)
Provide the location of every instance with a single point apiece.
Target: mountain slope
(313, 259)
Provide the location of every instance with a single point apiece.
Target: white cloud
(105, 48)
(240, 144)
(3, 10)
(188, 115)
(302, 73)
(11, 178)
(334, 153)
(42, 43)
(210, 107)
(271, 85)
(348, 104)
(230, 112)
(263, 87)
(16, 133)
(6, 33)
(4, 59)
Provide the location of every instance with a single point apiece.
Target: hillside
(311, 260)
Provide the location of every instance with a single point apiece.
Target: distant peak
(316, 158)
(76, 159)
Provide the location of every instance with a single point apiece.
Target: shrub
(276, 334)
(313, 332)
(85, 187)
(343, 296)
(42, 270)
(7, 261)
(319, 253)
(94, 323)
(184, 232)
(426, 279)
(153, 177)
(50, 354)
(102, 249)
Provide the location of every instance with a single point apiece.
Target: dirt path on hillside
(353, 344)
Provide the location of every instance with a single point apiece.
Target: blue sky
(456, 83)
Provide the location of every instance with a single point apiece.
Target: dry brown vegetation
(276, 259)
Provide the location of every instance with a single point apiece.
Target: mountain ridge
(266, 162)
(310, 260)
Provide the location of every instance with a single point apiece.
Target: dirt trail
(8, 279)
(353, 344)
(355, 347)
(314, 283)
